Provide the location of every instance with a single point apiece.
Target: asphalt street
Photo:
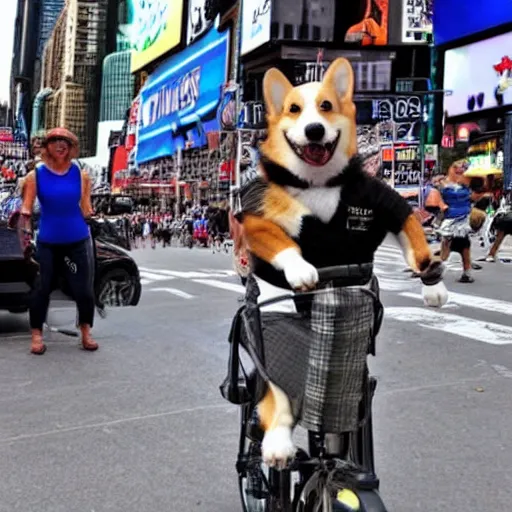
(140, 426)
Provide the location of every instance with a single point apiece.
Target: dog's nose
(315, 132)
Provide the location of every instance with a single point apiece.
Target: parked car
(117, 279)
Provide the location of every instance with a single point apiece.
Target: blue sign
(454, 19)
(179, 101)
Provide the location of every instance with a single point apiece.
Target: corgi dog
(313, 206)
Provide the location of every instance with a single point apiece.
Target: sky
(6, 42)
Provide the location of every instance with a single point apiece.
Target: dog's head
(312, 127)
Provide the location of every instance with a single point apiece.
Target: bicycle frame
(352, 447)
(355, 449)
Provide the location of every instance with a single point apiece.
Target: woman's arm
(28, 193)
(85, 202)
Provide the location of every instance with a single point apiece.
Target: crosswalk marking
(386, 249)
(221, 284)
(152, 276)
(389, 269)
(174, 273)
(218, 271)
(472, 301)
(486, 332)
(174, 291)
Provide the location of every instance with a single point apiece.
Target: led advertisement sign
(181, 98)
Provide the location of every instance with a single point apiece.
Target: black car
(117, 278)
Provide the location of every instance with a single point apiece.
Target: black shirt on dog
(367, 211)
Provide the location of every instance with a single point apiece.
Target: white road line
(219, 271)
(182, 275)
(472, 301)
(389, 260)
(174, 291)
(154, 277)
(485, 332)
(221, 284)
(390, 250)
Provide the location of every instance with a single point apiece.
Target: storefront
(184, 108)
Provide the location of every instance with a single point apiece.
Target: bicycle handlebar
(354, 271)
(342, 275)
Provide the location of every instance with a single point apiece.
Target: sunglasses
(55, 140)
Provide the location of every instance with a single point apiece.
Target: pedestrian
(64, 242)
(455, 227)
(503, 227)
(240, 255)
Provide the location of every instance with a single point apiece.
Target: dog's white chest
(322, 201)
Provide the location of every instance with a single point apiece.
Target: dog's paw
(277, 447)
(436, 295)
(301, 275)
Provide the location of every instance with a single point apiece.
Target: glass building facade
(49, 11)
(117, 87)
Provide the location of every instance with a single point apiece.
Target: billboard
(372, 30)
(202, 14)
(480, 76)
(6, 134)
(152, 28)
(454, 19)
(180, 100)
(416, 20)
(256, 20)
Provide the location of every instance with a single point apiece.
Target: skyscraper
(72, 61)
(22, 68)
(117, 86)
(48, 13)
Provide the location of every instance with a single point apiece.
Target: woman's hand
(85, 202)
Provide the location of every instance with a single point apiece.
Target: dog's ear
(275, 88)
(340, 77)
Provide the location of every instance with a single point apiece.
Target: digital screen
(479, 76)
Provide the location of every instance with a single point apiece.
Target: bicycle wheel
(313, 499)
(251, 477)
(370, 501)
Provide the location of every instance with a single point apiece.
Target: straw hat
(62, 133)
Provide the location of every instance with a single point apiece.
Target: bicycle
(337, 471)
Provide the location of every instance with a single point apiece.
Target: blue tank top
(61, 220)
(458, 199)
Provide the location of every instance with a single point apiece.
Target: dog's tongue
(316, 154)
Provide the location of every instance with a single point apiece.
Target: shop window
(274, 30)
(288, 31)
(317, 33)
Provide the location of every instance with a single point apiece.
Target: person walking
(64, 243)
(455, 227)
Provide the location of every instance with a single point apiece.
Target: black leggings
(76, 262)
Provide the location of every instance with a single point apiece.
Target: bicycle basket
(316, 355)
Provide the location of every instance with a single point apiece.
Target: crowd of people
(202, 224)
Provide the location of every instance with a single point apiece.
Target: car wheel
(117, 288)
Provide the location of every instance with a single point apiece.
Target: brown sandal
(89, 344)
(38, 347)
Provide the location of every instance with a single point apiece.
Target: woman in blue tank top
(63, 243)
(455, 227)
